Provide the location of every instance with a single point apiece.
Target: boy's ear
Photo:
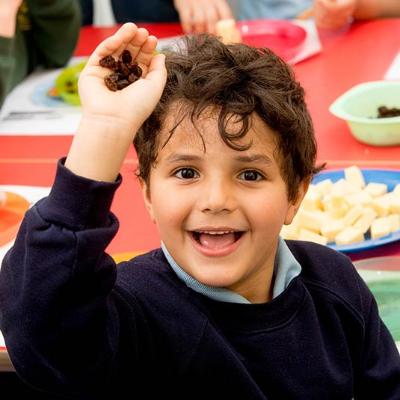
(295, 204)
(147, 198)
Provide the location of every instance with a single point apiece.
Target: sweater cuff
(77, 202)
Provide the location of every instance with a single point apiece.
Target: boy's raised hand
(132, 105)
(110, 119)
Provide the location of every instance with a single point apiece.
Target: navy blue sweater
(76, 325)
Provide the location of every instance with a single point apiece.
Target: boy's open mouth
(216, 239)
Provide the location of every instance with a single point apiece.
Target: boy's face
(219, 212)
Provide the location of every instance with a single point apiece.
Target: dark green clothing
(45, 36)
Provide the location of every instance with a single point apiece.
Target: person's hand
(111, 119)
(132, 105)
(198, 16)
(8, 15)
(333, 14)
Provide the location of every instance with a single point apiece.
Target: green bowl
(358, 107)
(382, 276)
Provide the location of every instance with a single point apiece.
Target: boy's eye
(251, 175)
(186, 173)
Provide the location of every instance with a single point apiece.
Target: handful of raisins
(125, 71)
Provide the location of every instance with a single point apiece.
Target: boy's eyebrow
(261, 158)
(178, 157)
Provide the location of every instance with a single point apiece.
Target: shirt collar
(285, 269)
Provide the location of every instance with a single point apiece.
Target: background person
(35, 33)
(333, 14)
(195, 16)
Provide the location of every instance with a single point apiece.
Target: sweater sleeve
(7, 63)
(380, 363)
(58, 308)
(55, 29)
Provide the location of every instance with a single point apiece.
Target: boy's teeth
(215, 233)
(216, 240)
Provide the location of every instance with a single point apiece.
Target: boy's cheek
(147, 199)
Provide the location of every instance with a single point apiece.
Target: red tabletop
(362, 53)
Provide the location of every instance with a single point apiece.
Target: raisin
(132, 78)
(123, 83)
(385, 112)
(125, 70)
(126, 57)
(135, 69)
(111, 83)
(108, 62)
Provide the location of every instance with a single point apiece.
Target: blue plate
(391, 178)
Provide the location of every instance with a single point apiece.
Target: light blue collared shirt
(285, 269)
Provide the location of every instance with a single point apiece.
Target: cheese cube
(354, 176)
(349, 235)
(396, 189)
(335, 205)
(310, 220)
(331, 228)
(364, 222)
(312, 199)
(380, 227)
(362, 198)
(382, 204)
(310, 236)
(394, 220)
(394, 205)
(352, 215)
(324, 187)
(228, 32)
(342, 187)
(376, 189)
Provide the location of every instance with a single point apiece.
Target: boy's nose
(217, 196)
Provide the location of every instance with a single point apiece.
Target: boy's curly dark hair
(236, 80)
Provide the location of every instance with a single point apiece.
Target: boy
(225, 309)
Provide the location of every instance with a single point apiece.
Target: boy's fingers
(157, 68)
(113, 43)
(157, 72)
(136, 43)
(146, 51)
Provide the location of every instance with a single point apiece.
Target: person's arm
(8, 17)
(111, 119)
(333, 14)
(59, 311)
(55, 29)
(367, 9)
(199, 16)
